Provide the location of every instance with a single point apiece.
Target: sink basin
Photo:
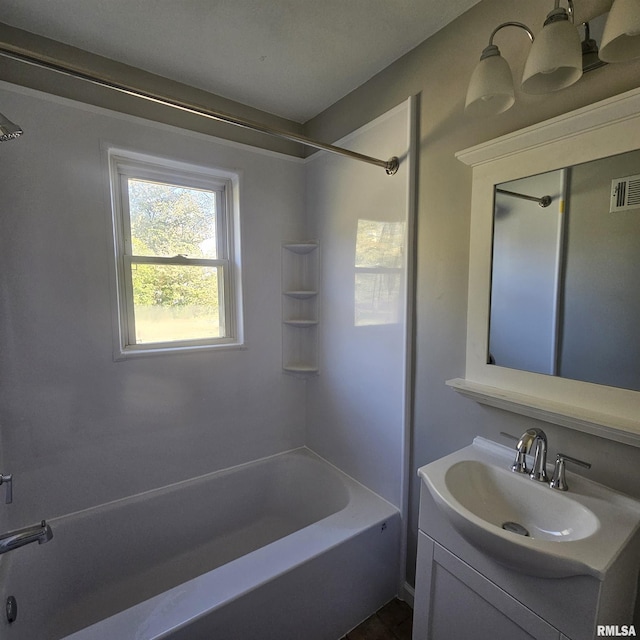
(500, 497)
(525, 525)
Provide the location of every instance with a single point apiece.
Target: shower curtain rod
(545, 201)
(47, 62)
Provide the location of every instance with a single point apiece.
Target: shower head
(8, 130)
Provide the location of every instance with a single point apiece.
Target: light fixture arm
(570, 10)
(491, 49)
(560, 13)
(510, 24)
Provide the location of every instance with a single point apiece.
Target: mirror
(565, 299)
(598, 393)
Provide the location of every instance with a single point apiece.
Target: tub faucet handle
(7, 478)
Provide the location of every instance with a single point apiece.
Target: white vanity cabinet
(456, 601)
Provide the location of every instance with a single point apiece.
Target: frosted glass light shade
(491, 87)
(555, 59)
(621, 36)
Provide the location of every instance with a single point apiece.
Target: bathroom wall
(439, 70)
(356, 409)
(77, 428)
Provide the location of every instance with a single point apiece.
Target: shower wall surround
(363, 220)
(77, 428)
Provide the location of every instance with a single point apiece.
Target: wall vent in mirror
(625, 193)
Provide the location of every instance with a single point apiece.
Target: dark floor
(392, 622)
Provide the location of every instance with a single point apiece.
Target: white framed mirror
(602, 130)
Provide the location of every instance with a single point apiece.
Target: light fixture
(491, 86)
(621, 36)
(557, 58)
(8, 130)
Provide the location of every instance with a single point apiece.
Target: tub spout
(39, 533)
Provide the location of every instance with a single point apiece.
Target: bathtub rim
(158, 617)
(150, 493)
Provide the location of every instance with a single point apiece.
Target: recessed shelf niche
(300, 277)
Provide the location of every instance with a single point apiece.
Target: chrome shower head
(8, 130)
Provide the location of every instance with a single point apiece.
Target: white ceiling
(293, 58)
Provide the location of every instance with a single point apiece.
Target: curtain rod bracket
(393, 164)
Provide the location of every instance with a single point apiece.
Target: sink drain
(514, 527)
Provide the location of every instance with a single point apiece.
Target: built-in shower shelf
(300, 368)
(301, 247)
(300, 278)
(302, 295)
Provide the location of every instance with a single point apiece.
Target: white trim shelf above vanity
(593, 422)
(573, 393)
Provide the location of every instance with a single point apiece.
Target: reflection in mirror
(379, 262)
(565, 294)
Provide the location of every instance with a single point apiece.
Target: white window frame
(125, 165)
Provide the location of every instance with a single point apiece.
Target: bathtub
(286, 547)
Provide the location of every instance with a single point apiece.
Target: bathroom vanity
(479, 575)
(577, 568)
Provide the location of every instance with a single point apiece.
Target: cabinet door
(453, 600)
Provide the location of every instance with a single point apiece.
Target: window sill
(128, 353)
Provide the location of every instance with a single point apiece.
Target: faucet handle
(559, 481)
(7, 478)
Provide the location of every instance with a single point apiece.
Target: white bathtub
(286, 548)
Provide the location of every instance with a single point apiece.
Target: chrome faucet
(527, 440)
(39, 533)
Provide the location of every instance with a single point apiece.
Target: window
(176, 261)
